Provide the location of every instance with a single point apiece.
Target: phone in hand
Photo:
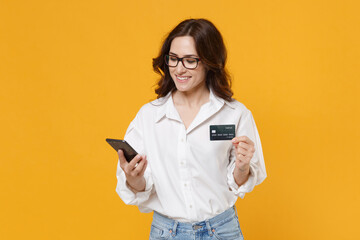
(117, 144)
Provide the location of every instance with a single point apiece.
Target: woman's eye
(191, 61)
(173, 58)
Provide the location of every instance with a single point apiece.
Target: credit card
(222, 132)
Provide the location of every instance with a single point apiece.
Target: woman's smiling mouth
(182, 79)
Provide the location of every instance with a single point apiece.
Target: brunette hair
(212, 52)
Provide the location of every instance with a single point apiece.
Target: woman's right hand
(134, 171)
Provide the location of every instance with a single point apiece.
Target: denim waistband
(163, 221)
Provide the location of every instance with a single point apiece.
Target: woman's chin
(182, 88)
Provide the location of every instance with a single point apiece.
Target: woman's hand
(245, 149)
(134, 171)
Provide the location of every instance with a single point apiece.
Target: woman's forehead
(182, 46)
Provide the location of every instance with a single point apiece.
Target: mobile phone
(117, 144)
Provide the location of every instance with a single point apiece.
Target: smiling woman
(199, 148)
(202, 40)
(190, 75)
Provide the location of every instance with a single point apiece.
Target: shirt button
(185, 185)
(182, 140)
(182, 163)
(190, 206)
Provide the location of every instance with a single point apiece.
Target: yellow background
(75, 72)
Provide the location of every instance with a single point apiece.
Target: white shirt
(190, 178)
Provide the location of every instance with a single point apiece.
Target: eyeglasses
(187, 62)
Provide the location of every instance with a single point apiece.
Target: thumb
(122, 158)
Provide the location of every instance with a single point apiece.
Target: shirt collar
(167, 108)
(220, 101)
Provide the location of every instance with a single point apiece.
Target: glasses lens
(171, 61)
(190, 63)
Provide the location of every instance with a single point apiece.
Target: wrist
(241, 175)
(138, 186)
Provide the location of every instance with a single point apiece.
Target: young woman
(199, 149)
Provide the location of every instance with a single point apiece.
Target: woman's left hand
(245, 149)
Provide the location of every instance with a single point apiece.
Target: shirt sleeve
(247, 127)
(134, 137)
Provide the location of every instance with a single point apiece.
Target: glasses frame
(182, 61)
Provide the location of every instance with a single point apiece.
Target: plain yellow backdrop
(76, 72)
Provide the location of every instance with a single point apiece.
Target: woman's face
(186, 80)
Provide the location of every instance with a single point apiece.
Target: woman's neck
(195, 98)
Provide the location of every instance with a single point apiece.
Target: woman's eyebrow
(188, 55)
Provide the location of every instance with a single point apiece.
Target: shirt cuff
(143, 195)
(248, 186)
(128, 196)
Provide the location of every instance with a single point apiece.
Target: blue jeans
(224, 226)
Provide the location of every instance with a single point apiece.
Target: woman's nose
(180, 67)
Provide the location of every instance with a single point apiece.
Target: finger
(247, 147)
(122, 159)
(137, 169)
(242, 151)
(244, 154)
(245, 139)
(243, 158)
(138, 166)
(140, 169)
(240, 157)
(144, 168)
(243, 145)
(236, 140)
(133, 162)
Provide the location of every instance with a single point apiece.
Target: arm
(244, 151)
(134, 171)
(134, 180)
(246, 168)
